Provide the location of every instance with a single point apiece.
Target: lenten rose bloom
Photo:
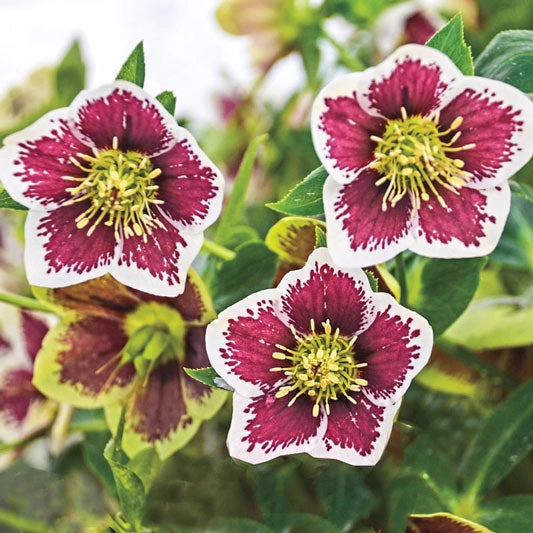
(23, 409)
(116, 347)
(319, 365)
(115, 186)
(418, 157)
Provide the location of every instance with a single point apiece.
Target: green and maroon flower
(419, 158)
(117, 347)
(115, 186)
(319, 365)
(23, 409)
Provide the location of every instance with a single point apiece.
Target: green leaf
(237, 235)
(130, 488)
(343, 494)
(504, 440)
(6, 202)
(252, 269)
(522, 189)
(451, 41)
(407, 495)
(133, 69)
(307, 523)
(507, 515)
(168, 101)
(311, 57)
(145, 465)
(306, 198)
(70, 75)
(321, 238)
(92, 447)
(234, 210)
(441, 289)
(238, 525)
(509, 58)
(374, 283)
(207, 376)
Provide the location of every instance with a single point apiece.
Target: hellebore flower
(318, 365)
(418, 157)
(23, 409)
(118, 347)
(115, 186)
(415, 21)
(274, 26)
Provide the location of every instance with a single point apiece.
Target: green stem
(25, 302)
(21, 523)
(400, 276)
(348, 59)
(210, 247)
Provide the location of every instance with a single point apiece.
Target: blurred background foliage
(462, 443)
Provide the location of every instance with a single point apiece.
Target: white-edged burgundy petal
(127, 112)
(356, 434)
(241, 341)
(341, 128)
(34, 160)
(396, 346)
(263, 428)
(414, 77)
(158, 266)
(498, 120)
(359, 232)
(321, 291)
(470, 226)
(58, 254)
(190, 185)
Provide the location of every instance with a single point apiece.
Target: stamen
(321, 367)
(119, 190)
(412, 156)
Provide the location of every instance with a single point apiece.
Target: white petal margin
(282, 441)
(327, 449)
(498, 206)
(217, 343)
(133, 275)
(319, 258)
(348, 86)
(428, 57)
(338, 238)
(39, 271)
(12, 150)
(88, 97)
(522, 136)
(421, 345)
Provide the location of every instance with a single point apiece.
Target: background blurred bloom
(418, 157)
(319, 365)
(24, 411)
(113, 185)
(116, 347)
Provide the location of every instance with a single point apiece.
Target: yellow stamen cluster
(322, 367)
(121, 190)
(412, 156)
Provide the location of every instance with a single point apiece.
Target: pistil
(322, 367)
(413, 156)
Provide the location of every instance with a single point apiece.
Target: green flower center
(156, 331)
(413, 157)
(121, 190)
(323, 367)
